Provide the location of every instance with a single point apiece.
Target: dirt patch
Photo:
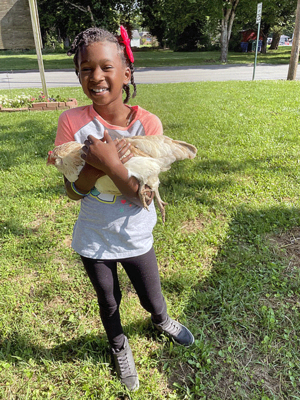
(192, 226)
(67, 241)
(287, 245)
(202, 222)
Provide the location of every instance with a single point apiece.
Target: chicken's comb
(50, 152)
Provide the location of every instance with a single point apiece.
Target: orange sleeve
(156, 127)
(152, 124)
(64, 131)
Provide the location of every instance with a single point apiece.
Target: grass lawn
(161, 58)
(228, 256)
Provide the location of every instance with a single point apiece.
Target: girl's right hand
(89, 173)
(105, 154)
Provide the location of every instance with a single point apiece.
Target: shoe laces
(124, 364)
(172, 327)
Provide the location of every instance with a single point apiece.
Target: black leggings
(143, 273)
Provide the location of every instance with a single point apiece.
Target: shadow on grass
(247, 257)
(197, 180)
(224, 309)
(19, 348)
(31, 138)
(211, 168)
(249, 305)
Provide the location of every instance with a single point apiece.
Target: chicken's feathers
(152, 155)
(68, 160)
(162, 147)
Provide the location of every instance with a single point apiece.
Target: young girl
(112, 229)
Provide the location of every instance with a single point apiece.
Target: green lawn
(159, 58)
(228, 256)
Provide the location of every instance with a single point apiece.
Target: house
(15, 25)
(248, 40)
(135, 39)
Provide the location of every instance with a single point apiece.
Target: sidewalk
(59, 78)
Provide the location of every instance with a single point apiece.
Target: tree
(276, 15)
(221, 15)
(177, 23)
(295, 47)
(65, 18)
(170, 18)
(277, 32)
(128, 12)
(153, 18)
(228, 14)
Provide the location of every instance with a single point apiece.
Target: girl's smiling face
(102, 74)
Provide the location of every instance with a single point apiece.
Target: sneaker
(125, 366)
(174, 330)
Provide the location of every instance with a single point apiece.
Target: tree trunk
(275, 41)
(264, 45)
(295, 47)
(224, 41)
(265, 29)
(226, 26)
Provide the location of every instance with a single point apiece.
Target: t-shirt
(108, 226)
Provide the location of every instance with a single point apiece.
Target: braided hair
(92, 35)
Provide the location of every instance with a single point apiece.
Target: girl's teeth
(99, 90)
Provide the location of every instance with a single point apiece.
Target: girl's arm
(89, 174)
(104, 156)
(85, 182)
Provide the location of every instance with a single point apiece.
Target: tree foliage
(64, 19)
(276, 15)
(178, 24)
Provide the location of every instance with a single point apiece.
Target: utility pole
(38, 42)
(295, 47)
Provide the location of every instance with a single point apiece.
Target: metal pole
(38, 43)
(258, 20)
(256, 50)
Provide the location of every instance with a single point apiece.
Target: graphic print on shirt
(108, 199)
(103, 197)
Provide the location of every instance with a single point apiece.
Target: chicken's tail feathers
(185, 150)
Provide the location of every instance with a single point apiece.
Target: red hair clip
(126, 42)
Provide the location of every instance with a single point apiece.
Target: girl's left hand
(105, 154)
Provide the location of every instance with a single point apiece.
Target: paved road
(24, 79)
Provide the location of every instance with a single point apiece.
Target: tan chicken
(151, 156)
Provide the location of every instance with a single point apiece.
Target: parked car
(284, 40)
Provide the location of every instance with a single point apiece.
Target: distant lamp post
(38, 43)
(295, 47)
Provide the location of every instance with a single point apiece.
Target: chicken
(151, 156)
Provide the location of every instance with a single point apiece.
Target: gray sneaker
(176, 331)
(125, 366)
